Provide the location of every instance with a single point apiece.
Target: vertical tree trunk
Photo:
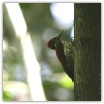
(87, 55)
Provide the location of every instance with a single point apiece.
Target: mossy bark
(87, 51)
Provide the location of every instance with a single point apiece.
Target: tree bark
(87, 51)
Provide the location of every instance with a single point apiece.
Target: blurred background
(31, 71)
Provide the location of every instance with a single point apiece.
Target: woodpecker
(65, 53)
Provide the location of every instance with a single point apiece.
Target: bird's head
(53, 42)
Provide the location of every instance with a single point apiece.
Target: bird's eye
(53, 44)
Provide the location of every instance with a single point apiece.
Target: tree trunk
(87, 54)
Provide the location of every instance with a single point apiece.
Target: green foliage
(7, 96)
(67, 82)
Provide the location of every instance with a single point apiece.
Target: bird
(64, 52)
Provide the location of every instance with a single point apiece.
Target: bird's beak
(61, 33)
